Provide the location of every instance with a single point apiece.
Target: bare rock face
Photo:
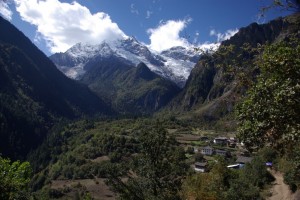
(210, 89)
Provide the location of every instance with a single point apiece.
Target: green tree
(270, 114)
(241, 189)
(156, 173)
(284, 5)
(208, 186)
(290, 166)
(14, 179)
(227, 184)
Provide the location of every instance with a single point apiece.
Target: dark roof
(243, 159)
(207, 147)
(204, 138)
(220, 151)
(221, 138)
(200, 164)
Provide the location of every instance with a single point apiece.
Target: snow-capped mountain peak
(85, 50)
(174, 64)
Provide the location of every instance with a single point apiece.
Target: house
(231, 144)
(200, 167)
(232, 139)
(204, 139)
(207, 151)
(235, 166)
(243, 159)
(240, 162)
(221, 140)
(222, 152)
(245, 153)
(196, 149)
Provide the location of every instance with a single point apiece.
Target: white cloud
(208, 47)
(196, 37)
(133, 9)
(5, 10)
(62, 25)
(166, 35)
(223, 36)
(212, 47)
(148, 14)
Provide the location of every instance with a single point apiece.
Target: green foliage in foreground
(115, 149)
(290, 165)
(228, 184)
(270, 114)
(156, 173)
(14, 179)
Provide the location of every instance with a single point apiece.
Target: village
(203, 150)
(229, 148)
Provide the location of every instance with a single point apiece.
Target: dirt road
(280, 191)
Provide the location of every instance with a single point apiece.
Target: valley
(88, 150)
(118, 120)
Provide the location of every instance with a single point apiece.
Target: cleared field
(100, 159)
(96, 187)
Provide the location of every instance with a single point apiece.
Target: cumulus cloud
(223, 36)
(62, 25)
(166, 35)
(5, 10)
(212, 47)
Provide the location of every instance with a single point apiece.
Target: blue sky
(56, 25)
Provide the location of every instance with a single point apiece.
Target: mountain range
(205, 86)
(174, 64)
(127, 74)
(120, 78)
(215, 84)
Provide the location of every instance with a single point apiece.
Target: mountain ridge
(131, 90)
(34, 94)
(174, 64)
(211, 90)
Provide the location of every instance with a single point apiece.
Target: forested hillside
(219, 80)
(131, 90)
(34, 94)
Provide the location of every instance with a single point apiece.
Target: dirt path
(280, 191)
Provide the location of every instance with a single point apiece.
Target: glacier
(174, 64)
